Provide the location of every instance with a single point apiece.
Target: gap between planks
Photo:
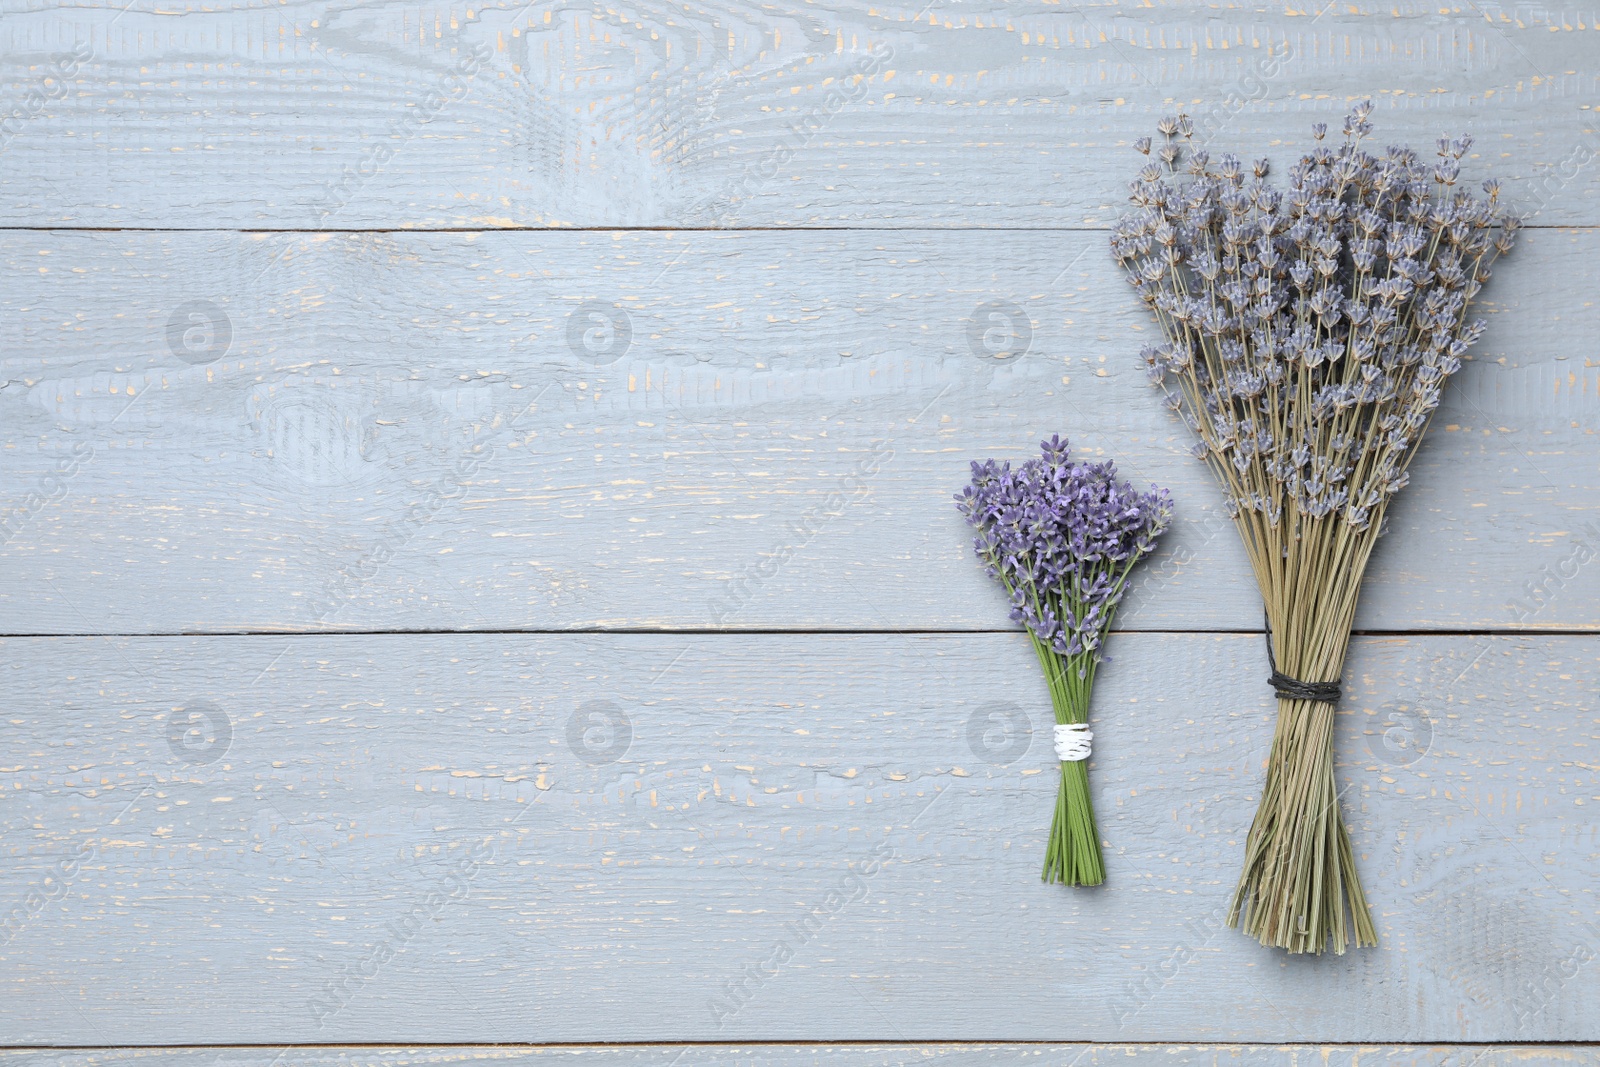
(771, 632)
(622, 229)
(952, 1043)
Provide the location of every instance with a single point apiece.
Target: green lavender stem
(1072, 852)
(1072, 856)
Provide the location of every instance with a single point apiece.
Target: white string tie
(1072, 740)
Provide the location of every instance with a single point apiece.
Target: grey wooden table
(479, 581)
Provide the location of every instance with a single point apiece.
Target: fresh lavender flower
(1310, 332)
(1062, 538)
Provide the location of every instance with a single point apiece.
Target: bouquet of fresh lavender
(1308, 335)
(1062, 539)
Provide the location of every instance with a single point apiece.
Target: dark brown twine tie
(1289, 688)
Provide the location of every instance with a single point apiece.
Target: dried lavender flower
(1310, 332)
(1061, 538)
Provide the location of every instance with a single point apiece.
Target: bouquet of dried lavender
(1309, 332)
(1062, 539)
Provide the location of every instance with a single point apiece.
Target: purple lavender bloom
(1062, 537)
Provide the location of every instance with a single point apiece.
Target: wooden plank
(436, 838)
(318, 116)
(429, 431)
(885, 1055)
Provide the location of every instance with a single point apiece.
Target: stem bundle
(1072, 851)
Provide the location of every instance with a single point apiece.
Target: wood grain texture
(887, 1055)
(412, 431)
(312, 114)
(574, 838)
(707, 843)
